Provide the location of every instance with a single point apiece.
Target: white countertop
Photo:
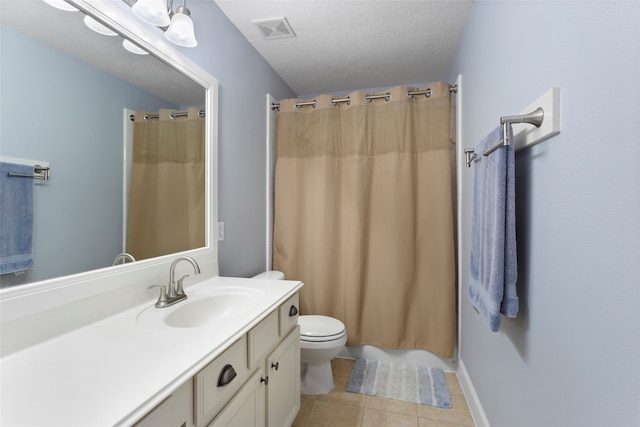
(114, 371)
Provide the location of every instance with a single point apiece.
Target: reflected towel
(493, 262)
(16, 218)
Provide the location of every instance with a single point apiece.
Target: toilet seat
(315, 328)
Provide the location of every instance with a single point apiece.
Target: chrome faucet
(173, 292)
(123, 257)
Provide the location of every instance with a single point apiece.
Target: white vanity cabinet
(268, 400)
(271, 394)
(175, 411)
(153, 374)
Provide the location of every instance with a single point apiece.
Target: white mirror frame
(110, 290)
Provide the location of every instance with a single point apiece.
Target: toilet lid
(320, 328)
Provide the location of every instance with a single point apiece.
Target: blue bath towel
(493, 262)
(16, 218)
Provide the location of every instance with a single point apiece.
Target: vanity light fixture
(180, 30)
(98, 27)
(156, 12)
(133, 48)
(152, 12)
(61, 4)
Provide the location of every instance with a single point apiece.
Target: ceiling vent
(277, 28)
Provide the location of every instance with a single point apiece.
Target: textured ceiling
(348, 44)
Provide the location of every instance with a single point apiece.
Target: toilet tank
(270, 275)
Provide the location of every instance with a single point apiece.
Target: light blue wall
(57, 108)
(572, 357)
(245, 78)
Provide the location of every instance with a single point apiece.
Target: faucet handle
(162, 299)
(179, 290)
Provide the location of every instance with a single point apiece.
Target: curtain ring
(426, 93)
(386, 96)
(334, 101)
(299, 105)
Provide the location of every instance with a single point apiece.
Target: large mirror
(69, 95)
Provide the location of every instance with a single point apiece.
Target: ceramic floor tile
(458, 414)
(329, 414)
(453, 383)
(342, 409)
(375, 418)
(340, 394)
(305, 409)
(342, 367)
(391, 405)
(426, 422)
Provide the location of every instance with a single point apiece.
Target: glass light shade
(133, 48)
(181, 31)
(152, 12)
(98, 27)
(61, 4)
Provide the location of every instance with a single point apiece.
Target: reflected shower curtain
(167, 190)
(364, 216)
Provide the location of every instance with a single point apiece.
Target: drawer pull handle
(275, 365)
(227, 374)
(293, 311)
(264, 380)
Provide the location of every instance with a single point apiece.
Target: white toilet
(321, 340)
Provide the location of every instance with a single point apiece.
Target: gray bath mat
(417, 384)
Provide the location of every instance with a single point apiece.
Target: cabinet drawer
(262, 338)
(215, 384)
(288, 313)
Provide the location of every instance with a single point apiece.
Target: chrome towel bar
(535, 118)
(39, 172)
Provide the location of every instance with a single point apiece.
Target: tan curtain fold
(166, 211)
(363, 215)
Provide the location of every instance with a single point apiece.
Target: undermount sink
(203, 309)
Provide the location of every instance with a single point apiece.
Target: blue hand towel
(493, 262)
(16, 215)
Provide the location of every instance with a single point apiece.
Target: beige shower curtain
(364, 217)
(167, 189)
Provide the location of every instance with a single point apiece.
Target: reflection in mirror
(166, 189)
(67, 95)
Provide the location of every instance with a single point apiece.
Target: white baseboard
(475, 407)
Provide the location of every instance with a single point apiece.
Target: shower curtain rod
(368, 98)
(174, 116)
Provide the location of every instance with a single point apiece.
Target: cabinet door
(175, 411)
(246, 409)
(283, 389)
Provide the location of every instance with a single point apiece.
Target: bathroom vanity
(239, 365)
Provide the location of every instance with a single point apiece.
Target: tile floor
(342, 409)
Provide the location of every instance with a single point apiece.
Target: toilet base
(317, 379)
